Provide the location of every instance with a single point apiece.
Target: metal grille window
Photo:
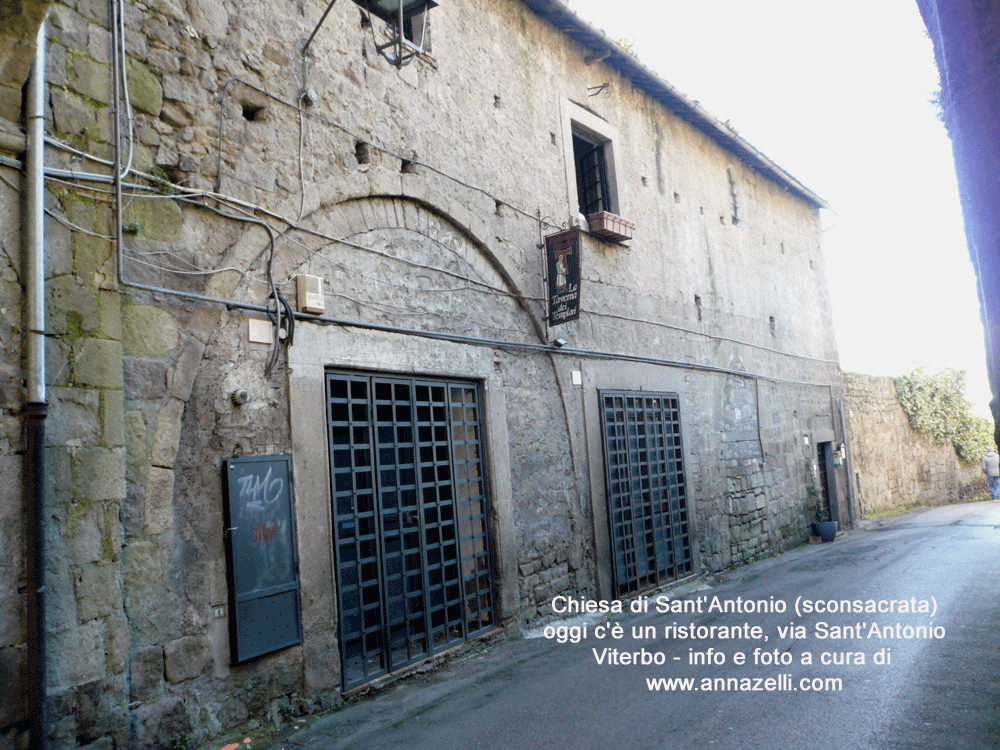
(592, 186)
(646, 492)
(411, 531)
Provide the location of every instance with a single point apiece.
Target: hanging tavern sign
(562, 254)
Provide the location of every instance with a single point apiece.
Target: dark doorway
(827, 479)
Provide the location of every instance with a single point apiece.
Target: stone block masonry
(892, 465)
(422, 203)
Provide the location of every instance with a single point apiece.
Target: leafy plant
(822, 508)
(936, 405)
(161, 180)
(628, 45)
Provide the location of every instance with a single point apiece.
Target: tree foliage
(936, 404)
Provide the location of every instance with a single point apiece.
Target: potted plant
(822, 527)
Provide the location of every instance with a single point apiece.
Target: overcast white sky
(838, 95)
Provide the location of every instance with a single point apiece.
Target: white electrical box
(260, 331)
(309, 290)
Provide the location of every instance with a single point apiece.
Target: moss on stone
(144, 89)
(159, 220)
(76, 512)
(108, 546)
(148, 331)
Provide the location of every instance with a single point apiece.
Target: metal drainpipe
(847, 463)
(35, 409)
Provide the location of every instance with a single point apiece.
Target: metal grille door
(645, 487)
(411, 533)
(824, 461)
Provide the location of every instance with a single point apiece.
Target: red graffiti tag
(264, 534)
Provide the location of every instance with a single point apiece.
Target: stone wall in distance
(892, 465)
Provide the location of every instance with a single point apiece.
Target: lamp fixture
(559, 343)
(390, 10)
(406, 36)
(405, 30)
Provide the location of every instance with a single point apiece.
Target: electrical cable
(181, 272)
(274, 316)
(70, 225)
(483, 285)
(70, 149)
(835, 224)
(276, 349)
(302, 175)
(189, 192)
(355, 137)
(123, 60)
(713, 337)
(281, 304)
(363, 248)
(290, 315)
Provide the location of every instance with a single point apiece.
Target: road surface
(936, 687)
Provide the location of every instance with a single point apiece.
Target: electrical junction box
(260, 331)
(309, 290)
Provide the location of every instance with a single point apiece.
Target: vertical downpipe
(847, 462)
(35, 409)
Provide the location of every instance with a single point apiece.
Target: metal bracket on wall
(595, 90)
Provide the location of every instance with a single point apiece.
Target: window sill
(610, 227)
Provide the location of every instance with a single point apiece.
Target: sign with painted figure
(264, 601)
(562, 254)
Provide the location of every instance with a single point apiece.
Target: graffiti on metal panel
(265, 529)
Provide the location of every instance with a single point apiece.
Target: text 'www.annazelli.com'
(783, 683)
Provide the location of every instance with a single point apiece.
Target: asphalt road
(939, 689)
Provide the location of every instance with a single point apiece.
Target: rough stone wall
(407, 282)
(417, 195)
(894, 466)
(553, 539)
(756, 500)
(12, 573)
(176, 573)
(19, 22)
(743, 461)
(85, 455)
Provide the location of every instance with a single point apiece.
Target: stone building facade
(452, 458)
(893, 466)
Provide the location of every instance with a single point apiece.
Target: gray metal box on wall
(264, 600)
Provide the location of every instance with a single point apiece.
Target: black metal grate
(411, 529)
(824, 457)
(593, 192)
(645, 487)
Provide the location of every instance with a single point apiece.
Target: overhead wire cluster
(249, 212)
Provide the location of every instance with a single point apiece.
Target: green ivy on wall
(936, 405)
